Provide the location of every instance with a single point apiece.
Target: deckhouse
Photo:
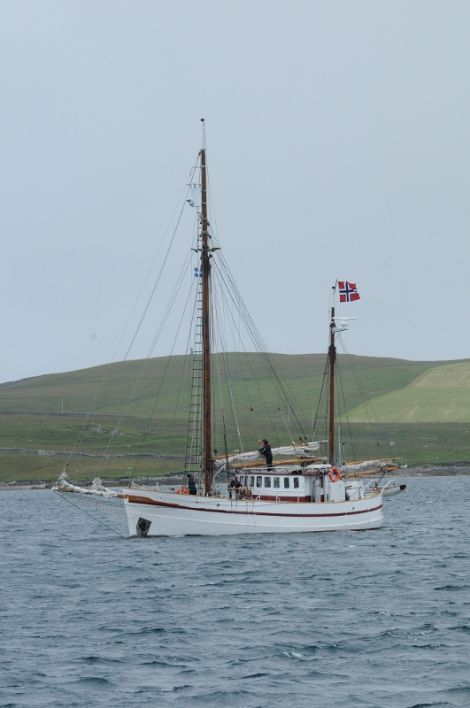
(315, 483)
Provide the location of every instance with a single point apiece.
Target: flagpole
(331, 369)
(347, 293)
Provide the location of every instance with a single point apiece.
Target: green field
(439, 395)
(107, 416)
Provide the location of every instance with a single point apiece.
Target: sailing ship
(300, 491)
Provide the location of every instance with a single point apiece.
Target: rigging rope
(235, 296)
(342, 401)
(152, 293)
(67, 495)
(108, 370)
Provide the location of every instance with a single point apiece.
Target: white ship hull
(168, 514)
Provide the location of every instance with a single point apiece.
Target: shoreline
(451, 470)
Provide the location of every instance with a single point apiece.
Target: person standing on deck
(266, 452)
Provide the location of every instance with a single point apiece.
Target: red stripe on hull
(145, 500)
(265, 497)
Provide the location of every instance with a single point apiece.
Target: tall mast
(208, 460)
(331, 405)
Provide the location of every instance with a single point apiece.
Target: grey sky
(338, 145)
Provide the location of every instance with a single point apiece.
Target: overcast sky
(338, 146)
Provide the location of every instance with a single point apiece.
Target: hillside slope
(130, 387)
(439, 395)
(417, 410)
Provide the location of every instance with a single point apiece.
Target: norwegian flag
(347, 291)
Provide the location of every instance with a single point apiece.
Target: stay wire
(179, 208)
(152, 293)
(230, 314)
(108, 370)
(259, 343)
(67, 496)
(164, 376)
(224, 369)
(343, 411)
(320, 399)
(366, 403)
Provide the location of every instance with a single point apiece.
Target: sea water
(375, 618)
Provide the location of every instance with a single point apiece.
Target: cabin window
(296, 482)
(252, 481)
(276, 482)
(259, 481)
(286, 482)
(267, 481)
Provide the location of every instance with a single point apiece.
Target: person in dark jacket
(234, 488)
(192, 484)
(267, 453)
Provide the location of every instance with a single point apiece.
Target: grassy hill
(417, 410)
(439, 395)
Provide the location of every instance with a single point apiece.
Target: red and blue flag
(347, 291)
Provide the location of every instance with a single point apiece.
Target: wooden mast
(207, 457)
(331, 404)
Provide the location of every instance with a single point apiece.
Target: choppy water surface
(377, 618)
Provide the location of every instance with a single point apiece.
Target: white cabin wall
(335, 491)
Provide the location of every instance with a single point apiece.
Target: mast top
(203, 134)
